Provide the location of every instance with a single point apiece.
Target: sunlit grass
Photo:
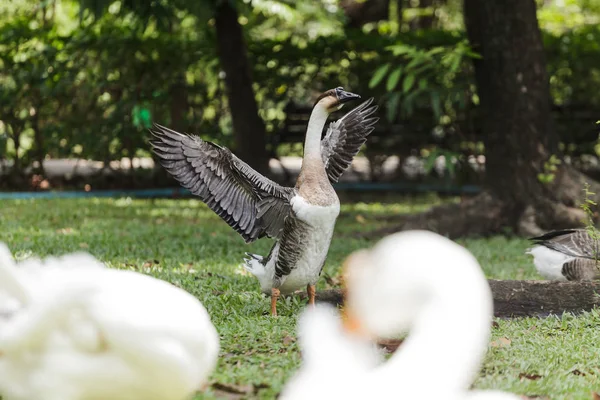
(185, 243)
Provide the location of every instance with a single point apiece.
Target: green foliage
(559, 17)
(380, 74)
(435, 76)
(85, 79)
(588, 205)
(93, 91)
(550, 168)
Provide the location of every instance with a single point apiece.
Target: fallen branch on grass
(523, 298)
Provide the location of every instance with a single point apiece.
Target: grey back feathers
(253, 205)
(572, 242)
(296, 231)
(345, 137)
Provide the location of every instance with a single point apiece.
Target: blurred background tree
(84, 79)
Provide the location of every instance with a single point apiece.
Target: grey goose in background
(300, 218)
(568, 254)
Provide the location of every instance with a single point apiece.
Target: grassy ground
(186, 244)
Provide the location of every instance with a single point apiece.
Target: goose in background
(72, 329)
(568, 254)
(300, 218)
(414, 281)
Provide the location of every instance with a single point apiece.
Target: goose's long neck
(448, 339)
(312, 142)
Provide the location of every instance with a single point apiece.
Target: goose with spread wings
(302, 218)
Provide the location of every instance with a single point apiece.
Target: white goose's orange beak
(350, 322)
(352, 325)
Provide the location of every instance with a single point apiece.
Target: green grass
(185, 243)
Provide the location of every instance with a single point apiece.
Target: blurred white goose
(413, 281)
(72, 329)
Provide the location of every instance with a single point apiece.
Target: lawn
(185, 243)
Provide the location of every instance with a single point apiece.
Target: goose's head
(334, 99)
(389, 286)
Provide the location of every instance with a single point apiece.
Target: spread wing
(344, 138)
(572, 242)
(250, 203)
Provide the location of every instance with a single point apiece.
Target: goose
(568, 254)
(414, 281)
(302, 218)
(72, 329)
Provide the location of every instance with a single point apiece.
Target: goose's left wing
(344, 138)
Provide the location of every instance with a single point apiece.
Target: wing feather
(572, 242)
(345, 137)
(250, 203)
(295, 233)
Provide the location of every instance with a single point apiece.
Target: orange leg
(275, 293)
(310, 290)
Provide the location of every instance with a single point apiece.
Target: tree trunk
(519, 134)
(521, 298)
(178, 92)
(179, 103)
(362, 12)
(40, 148)
(249, 128)
(399, 12)
(515, 99)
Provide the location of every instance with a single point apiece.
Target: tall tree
(528, 188)
(521, 143)
(249, 128)
(360, 12)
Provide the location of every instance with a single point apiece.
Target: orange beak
(353, 326)
(350, 322)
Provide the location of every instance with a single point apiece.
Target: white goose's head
(334, 99)
(388, 287)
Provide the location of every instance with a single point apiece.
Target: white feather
(314, 249)
(92, 333)
(332, 361)
(549, 262)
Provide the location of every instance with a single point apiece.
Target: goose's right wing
(572, 242)
(251, 204)
(344, 138)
